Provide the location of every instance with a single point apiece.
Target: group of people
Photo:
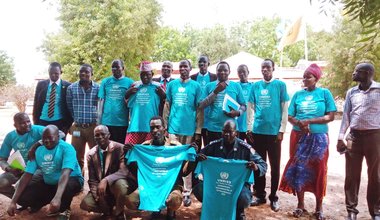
(117, 118)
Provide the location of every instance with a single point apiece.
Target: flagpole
(306, 50)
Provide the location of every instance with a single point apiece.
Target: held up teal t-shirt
(223, 180)
(184, 99)
(158, 169)
(15, 141)
(143, 105)
(215, 117)
(112, 90)
(312, 104)
(52, 162)
(267, 98)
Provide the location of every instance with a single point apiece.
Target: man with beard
(111, 100)
(82, 101)
(21, 139)
(202, 77)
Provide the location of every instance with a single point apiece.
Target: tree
(171, 44)
(7, 73)
(96, 32)
(344, 56)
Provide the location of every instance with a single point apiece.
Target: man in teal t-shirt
(268, 102)
(159, 176)
(113, 111)
(62, 178)
(21, 139)
(213, 97)
(203, 77)
(144, 99)
(246, 86)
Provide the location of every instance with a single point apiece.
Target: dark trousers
(38, 194)
(59, 123)
(366, 144)
(243, 136)
(118, 133)
(243, 201)
(212, 136)
(268, 145)
(204, 138)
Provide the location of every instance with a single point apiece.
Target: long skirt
(306, 170)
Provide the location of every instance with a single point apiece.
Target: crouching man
(107, 176)
(62, 178)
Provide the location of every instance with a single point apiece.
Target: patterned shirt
(83, 103)
(361, 109)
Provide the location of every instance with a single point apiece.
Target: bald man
(62, 177)
(107, 176)
(361, 115)
(21, 139)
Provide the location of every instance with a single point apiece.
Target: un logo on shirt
(143, 90)
(181, 89)
(224, 175)
(21, 145)
(264, 92)
(309, 97)
(48, 157)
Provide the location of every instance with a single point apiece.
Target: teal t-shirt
(184, 99)
(203, 80)
(15, 141)
(312, 104)
(112, 91)
(143, 105)
(215, 117)
(158, 169)
(223, 180)
(242, 119)
(267, 98)
(57, 107)
(52, 162)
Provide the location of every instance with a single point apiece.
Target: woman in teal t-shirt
(309, 111)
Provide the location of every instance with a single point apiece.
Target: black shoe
(186, 200)
(275, 206)
(258, 201)
(351, 216)
(240, 215)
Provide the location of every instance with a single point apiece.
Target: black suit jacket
(212, 76)
(159, 79)
(40, 98)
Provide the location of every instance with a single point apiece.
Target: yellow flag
(294, 33)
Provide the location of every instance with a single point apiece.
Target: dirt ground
(333, 203)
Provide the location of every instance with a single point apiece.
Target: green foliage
(344, 56)
(97, 31)
(172, 45)
(7, 73)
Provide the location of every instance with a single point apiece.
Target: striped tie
(52, 100)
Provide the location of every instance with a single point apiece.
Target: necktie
(52, 100)
(164, 85)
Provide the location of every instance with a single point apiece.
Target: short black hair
(120, 61)
(87, 65)
(19, 115)
(55, 64)
(223, 62)
(270, 60)
(158, 118)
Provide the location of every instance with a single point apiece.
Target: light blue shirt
(143, 105)
(52, 162)
(57, 105)
(223, 180)
(15, 141)
(115, 111)
(267, 98)
(242, 119)
(183, 98)
(158, 169)
(312, 104)
(215, 117)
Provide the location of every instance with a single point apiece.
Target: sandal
(319, 215)
(298, 212)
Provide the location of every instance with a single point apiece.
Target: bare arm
(24, 181)
(62, 183)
